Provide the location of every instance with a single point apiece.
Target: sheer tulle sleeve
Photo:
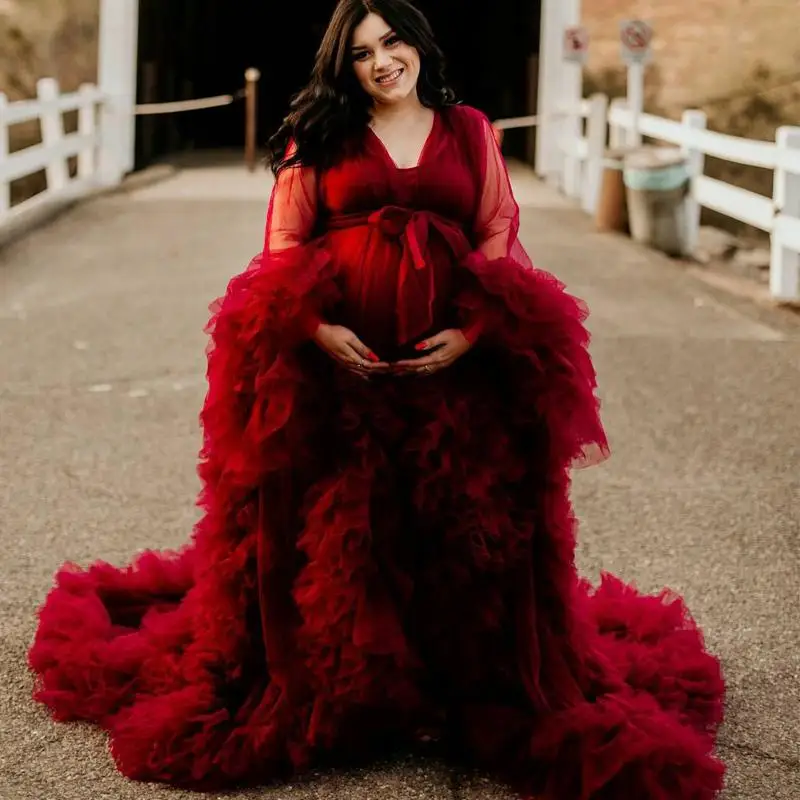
(526, 311)
(497, 218)
(292, 213)
(496, 226)
(290, 229)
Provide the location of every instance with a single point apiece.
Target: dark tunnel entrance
(199, 48)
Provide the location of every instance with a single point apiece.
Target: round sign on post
(576, 44)
(636, 38)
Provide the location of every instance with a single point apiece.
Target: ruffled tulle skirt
(376, 555)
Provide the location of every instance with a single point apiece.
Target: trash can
(656, 184)
(612, 212)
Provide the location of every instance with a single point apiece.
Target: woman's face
(386, 67)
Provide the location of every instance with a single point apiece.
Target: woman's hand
(344, 346)
(445, 349)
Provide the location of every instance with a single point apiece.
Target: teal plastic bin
(657, 182)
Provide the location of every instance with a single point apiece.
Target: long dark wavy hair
(333, 108)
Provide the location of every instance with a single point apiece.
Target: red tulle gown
(378, 557)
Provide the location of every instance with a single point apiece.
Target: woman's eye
(392, 41)
(360, 56)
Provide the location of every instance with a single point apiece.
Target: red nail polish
(373, 358)
(421, 346)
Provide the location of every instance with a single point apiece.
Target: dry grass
(40, 38)
(43, 38)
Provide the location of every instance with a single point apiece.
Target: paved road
(101, 356)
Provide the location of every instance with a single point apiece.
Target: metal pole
(251, 77)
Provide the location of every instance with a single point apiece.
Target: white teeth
(387, 78)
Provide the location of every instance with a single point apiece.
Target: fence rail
(587, 129)
(53, 153)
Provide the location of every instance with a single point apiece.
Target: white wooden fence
(599, 123)
(52, 154)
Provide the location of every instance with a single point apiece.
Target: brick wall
(703, 49)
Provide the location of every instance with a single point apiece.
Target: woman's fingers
(368, 363)
(354, 358)
(436, 360)
(361, 350)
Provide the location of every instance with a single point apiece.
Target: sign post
(636, 38)
(575, 49)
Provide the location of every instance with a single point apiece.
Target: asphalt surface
(102, 377)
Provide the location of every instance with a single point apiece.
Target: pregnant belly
(389, 300)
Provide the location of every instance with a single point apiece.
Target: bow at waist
(416, 288)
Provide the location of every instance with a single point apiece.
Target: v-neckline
(422, 153)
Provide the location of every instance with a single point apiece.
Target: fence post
(116, 76)
(5, 186)
(87, 126)
(784, 271)
(693, 120)
(251, 78)
(52, 122)
(616, 132)
(596, 131)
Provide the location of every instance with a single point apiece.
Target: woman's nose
(383, 59)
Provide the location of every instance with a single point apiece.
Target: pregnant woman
(386, 553)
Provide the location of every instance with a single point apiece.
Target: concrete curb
(48, 212)
(147, 177)
(742, 288)
(733, 285)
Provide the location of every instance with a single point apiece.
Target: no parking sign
(636, 38)
(576, 44)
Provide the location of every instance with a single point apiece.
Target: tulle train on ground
(368, 563)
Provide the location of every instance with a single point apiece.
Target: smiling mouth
(390, 78)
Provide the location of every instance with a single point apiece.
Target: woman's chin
(394, 93)
(392, 96)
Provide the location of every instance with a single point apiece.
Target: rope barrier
(525, 122)
(249, 94)
(188, 105)
(516, 122)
